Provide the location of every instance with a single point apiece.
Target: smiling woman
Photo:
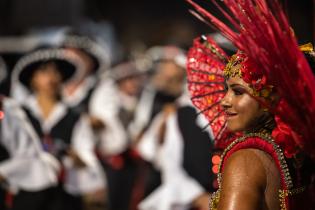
(241, 109)
(260, 155)
(255, 106)
(244, 114)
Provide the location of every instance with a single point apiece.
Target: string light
(216, 160)
(215, 169)
(215, 163)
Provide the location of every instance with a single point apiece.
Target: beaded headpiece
(229, 71)
(269, 57)
(255, 78)
(307, 48)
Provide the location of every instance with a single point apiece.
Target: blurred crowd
(87, 126)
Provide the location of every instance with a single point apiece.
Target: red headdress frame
(263, 34)
(206, 82)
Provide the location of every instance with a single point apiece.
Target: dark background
(151, 21)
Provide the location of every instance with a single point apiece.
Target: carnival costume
(270, 61)
(62, 130)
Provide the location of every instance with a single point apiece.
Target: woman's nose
(226, 101)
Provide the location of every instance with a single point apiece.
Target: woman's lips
(230, 114)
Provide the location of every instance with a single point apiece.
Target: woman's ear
(270, 102)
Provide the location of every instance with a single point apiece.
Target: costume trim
(272, 148)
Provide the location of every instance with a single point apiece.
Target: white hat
(173, 53)
(69, 64)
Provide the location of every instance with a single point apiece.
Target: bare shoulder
(245, 177)
(249, 162)
(255, 164)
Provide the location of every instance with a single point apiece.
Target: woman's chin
(234, 128)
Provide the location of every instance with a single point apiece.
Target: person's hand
(96, 123)
(161, 133)
(202, 202)
(77, 161)
(168, 109)
(98, 196)
(95, 200)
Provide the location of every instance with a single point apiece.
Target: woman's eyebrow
(236, 84)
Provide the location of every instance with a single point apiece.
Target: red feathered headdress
(261, 31)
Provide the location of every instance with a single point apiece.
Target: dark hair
(310, 57)
(44, 64)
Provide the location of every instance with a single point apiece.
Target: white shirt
(143, 111)
(105, 104)
(28, 168)
(80, 93)
(77, 180)
(178, 189)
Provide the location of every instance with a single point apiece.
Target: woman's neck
(46, 104)
(264, 124)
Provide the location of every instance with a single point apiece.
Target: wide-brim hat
(99, 55)
(125, 70)
(168, 52)
(67, 63)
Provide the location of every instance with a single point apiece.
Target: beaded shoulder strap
(287, 186)
(284, 169)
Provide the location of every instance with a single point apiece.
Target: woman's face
(47, 79)
(241, 109)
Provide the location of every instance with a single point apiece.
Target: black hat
(98, 54)
(68, 64)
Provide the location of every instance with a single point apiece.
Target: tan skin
(130, 85)
(169, 78)
(201, 202)
(250, 177)
(46, 83)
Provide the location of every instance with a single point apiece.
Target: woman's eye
(238, 92)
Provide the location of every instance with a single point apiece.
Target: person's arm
(244, 181)
(104, 105)
(15, 138)
(82, 144)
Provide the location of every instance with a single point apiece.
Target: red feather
(263, 33)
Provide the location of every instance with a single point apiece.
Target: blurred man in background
(113, 104)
